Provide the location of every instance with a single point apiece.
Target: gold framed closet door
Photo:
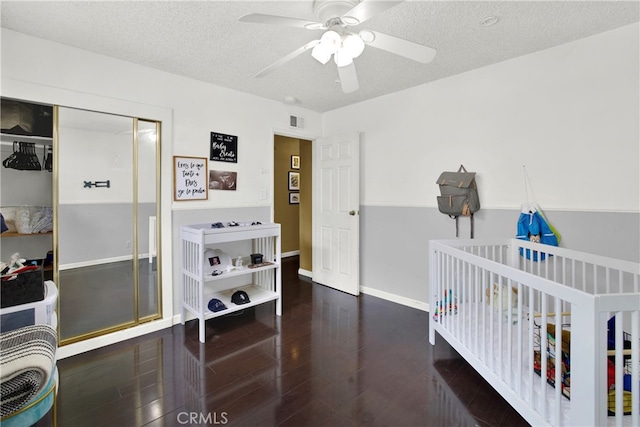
(99, 239)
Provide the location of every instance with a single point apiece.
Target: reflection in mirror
(95, 222)
(107, 210)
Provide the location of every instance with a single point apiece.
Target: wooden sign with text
(190, 177)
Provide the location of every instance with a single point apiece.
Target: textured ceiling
(203, 40)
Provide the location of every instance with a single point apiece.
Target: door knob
(352, 213)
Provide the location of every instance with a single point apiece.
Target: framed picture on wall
(294, 198)
(222, 180)
(295, 162)
(294, 181)
(190, 178)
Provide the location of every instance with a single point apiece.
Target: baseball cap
(240, 297)
(216, 305)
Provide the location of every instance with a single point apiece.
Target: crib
(556, 332)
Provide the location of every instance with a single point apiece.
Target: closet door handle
(352, 213)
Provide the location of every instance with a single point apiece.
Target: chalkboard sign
(224, 148)
(190, 176)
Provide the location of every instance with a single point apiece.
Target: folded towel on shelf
(27, 361)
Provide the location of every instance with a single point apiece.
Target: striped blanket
(27, 358)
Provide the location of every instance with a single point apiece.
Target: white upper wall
(570, 114)
(39, 70)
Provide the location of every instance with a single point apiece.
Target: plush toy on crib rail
(445, 306)
(506, 296)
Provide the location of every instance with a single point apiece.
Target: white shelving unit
(198, 288)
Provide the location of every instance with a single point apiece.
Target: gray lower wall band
(394, 242)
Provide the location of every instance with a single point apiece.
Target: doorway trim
(290, 133)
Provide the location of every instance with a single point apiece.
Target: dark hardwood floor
(331, 360)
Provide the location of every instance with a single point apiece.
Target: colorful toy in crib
(611, 385)
(565, 373)
(566, 366)
(611, 371)
(446, 305)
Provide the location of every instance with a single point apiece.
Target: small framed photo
(295, 162)
(294, 181)
(294, 198)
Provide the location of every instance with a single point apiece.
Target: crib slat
(558, 363)
(619, 374)
(543, 356)
(635, 368)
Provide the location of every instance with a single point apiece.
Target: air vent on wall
(296, 122)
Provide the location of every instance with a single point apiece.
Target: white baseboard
(102, 261)
(112, 338)
(395, 298)
(147, 328)
(290, 253)
(305, 273)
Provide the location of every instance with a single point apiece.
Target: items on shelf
(26, 118)
(234, 224)
(240, 297)
(216, 262)
(14, 264)
(216, 305)
(262, 264)
(28, 219)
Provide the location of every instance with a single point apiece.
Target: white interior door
(336, 212)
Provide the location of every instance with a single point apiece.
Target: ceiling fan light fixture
(313, 26)
(350, 20)
(331, 40)
(353, 44)
(342, 58)
(367, 36)
(321, 53)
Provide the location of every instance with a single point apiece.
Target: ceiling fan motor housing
(327, 10)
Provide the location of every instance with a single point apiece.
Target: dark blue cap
(216, 305)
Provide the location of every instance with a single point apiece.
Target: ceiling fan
(336, 17)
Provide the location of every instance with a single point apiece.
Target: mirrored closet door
(107, 221)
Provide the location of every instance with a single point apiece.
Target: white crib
(493, 300)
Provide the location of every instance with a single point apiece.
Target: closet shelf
(15, 234)
(8, 138)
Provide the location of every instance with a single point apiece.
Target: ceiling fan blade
(348, 78)
(417, 52)
(367, 9)
(287, 58)
(261, 18)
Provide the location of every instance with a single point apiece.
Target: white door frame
(293, 133)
